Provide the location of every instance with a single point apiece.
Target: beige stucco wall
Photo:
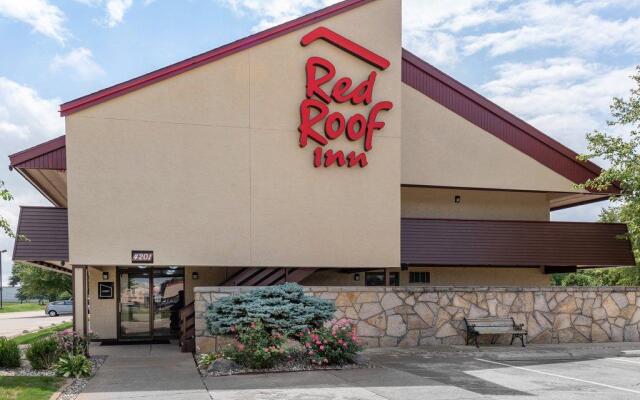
(204, 168)
(103, 320)
(439, 148)
(420, 202)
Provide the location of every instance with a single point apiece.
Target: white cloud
(563, 97)
(26, 115)
(26, 119)
(274, 12)
(44, 17)
(80, 61)
(115, 10)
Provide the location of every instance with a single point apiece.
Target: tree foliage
(621, 151)
(39, 283)
(5, 195)
(283, 308)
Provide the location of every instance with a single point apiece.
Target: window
(374, 278)
(394, 278)
(419, 277)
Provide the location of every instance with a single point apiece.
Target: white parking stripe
(560, 376)
(623, 360)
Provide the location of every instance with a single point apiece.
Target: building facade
(318, 151)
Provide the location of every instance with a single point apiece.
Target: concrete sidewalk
(145, 372)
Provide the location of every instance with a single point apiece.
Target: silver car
(60, 307)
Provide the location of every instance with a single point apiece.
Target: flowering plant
(335, 344)
(256, 347)
(72, 343)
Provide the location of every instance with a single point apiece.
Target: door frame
(152, 305)
(119, 270)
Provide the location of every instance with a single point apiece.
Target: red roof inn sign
(316, 116)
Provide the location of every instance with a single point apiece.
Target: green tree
(39, 283)
(622, 154)
(5, 195)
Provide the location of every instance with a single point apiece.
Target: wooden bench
(494, 326)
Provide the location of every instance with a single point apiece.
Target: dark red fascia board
(36, 151)
(207, 57)
(489, 106)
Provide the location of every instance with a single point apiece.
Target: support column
(79, 286)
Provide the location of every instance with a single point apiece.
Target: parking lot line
(624, 360)
(560, 376)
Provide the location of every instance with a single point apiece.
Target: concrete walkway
(145, 372)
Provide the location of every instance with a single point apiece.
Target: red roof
(48, 155)
(415, 72)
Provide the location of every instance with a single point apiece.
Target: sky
(556, 64)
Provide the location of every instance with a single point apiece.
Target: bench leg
(476, 340)
(522, 340)
(512, 338)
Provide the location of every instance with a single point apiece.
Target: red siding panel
(46, 230)
(48, 155)
(513, 243)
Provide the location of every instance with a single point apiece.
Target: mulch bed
(292, 365)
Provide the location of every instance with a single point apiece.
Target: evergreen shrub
(284, 309)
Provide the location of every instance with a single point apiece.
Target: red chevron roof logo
(347, 45)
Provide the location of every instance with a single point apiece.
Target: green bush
(283, 309)
(43, 353)
(257, 348)
(9, 353)
(76, 366)
(335, 345)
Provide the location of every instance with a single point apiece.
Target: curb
(61, 390)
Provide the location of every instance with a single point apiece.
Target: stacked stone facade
(412, 316)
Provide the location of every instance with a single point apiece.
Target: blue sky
(555, 64)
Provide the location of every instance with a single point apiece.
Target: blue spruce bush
(283, 308)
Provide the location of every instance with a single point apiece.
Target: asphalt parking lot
(416, 375)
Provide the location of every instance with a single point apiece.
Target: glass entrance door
(135, 304)
(149, 302)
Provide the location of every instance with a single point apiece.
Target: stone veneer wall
(411, 316)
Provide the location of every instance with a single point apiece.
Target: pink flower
(241, 347)
(318, 342)
(321, 347)
(307, 345)
(340, 341)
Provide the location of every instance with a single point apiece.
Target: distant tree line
(36, 283)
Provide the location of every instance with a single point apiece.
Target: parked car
(60, 307)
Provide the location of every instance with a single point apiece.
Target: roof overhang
(44, 166)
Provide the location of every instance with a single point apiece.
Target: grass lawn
(28, 387)
(31, 337)
(16, 307)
